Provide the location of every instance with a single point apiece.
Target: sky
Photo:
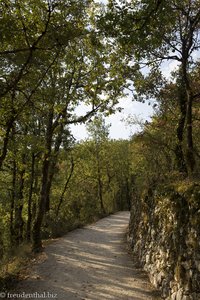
(119, 128)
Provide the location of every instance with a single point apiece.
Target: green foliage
(52, 59)
(154, 150)
(82, 203)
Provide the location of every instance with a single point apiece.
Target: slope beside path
(90, 263)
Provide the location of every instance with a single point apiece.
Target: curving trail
(90, 263)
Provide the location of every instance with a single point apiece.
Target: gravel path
(91, 263)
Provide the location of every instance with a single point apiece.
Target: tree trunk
(180, 160)
(190, 159)
(190, 147)
(100, 186)
(128, 196)
(6, 140)
(19, 222)
(53, 165)
(65, 187)
(12, 203)
(29, 221)
(36, 234)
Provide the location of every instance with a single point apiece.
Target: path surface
(90, 263)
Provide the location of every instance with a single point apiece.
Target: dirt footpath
(90, 263)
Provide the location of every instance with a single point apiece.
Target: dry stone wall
(165, 235)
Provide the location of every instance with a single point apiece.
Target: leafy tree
(81, 199)
(149, 33)
(99, 132)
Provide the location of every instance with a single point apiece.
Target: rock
(179, 295)
(173, 296)
(197, 264)
(186, 297)
(160, 277)
(174, 289)
(147, 259)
